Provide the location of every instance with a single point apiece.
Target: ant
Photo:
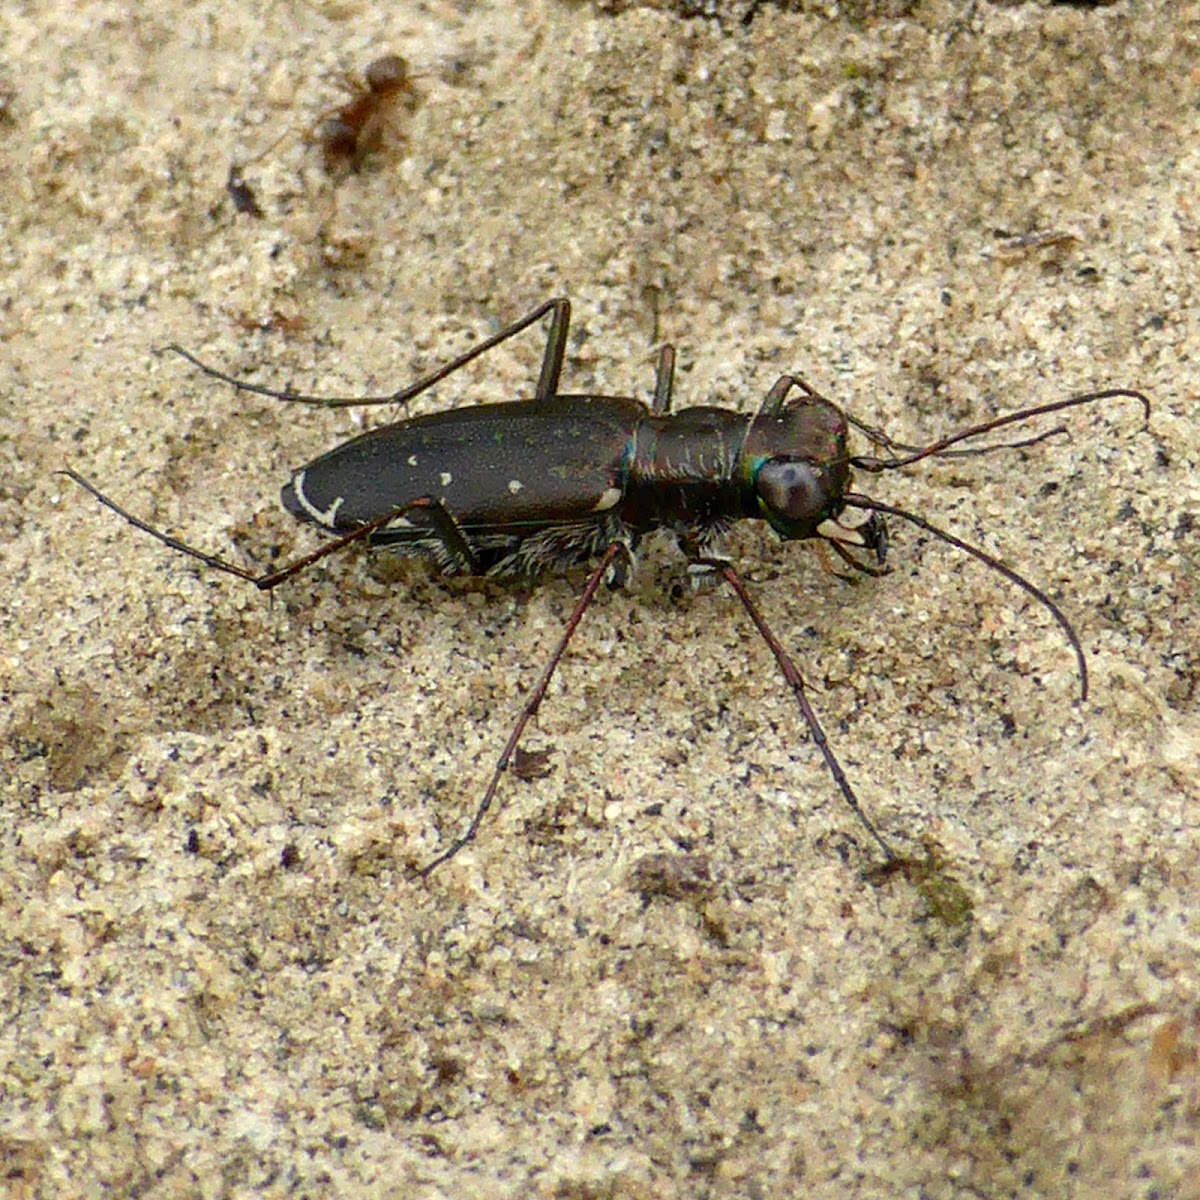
(350, 134)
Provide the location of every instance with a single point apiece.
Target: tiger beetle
(528, 487)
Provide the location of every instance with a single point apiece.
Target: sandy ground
(670, 967)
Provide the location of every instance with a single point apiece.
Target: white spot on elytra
(412, 460)
(446, 478)
(515, 485)
(608, 498)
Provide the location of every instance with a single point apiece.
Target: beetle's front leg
(795, 681)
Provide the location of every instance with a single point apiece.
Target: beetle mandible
(527, 487)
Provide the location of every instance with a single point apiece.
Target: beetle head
(794, 457)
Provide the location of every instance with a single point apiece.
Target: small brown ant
(356, 129)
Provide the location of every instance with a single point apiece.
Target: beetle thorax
(681, 472)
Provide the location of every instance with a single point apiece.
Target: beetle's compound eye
(792, 491)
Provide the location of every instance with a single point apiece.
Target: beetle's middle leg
(614, 551)
(458, 556)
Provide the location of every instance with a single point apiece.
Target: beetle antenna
(989, 560)
(881, 439)
(938, 449)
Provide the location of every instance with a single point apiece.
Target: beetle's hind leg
(270, 579)
(547, 386)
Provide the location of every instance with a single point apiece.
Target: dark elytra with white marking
(536, 485)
